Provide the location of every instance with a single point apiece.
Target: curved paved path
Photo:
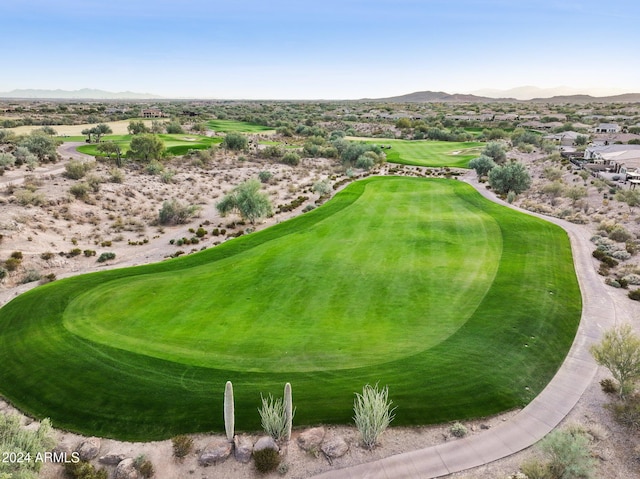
(537, 419)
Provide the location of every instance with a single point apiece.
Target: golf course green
(428, 152)
(464, 308)
(176, 144)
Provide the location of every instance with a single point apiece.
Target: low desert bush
(635, 294)
(31, 276)
(12, 264)
(80, 190)
(105, 257)
(619, 234)
(182, 446)
(16, 439)
(290, 158)
(174, 212)
(627, 411)
(569, 455)
(26, 197)
(266, 460)
(84, 470)
(116, 175)
(265, 176)
(372, 413)
(272, 417)
(77, 169)
(458, 430)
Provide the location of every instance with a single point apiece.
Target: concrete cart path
(537, 419)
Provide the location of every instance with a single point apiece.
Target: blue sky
(286, 49)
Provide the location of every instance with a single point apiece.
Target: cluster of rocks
(313, 440)
(89, 449)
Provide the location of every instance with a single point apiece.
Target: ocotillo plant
(288, 411)
(229, 410)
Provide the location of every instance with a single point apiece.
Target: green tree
(100, 130)
(88, 132)
(174, 127)
(146, 147)
(137, 127)
(483, 165)
(248, 201)
(235, 141)
(630, 197)
(111, 148)
(575, 193)
(496, 152)
(619, 352)
(510, 177)
(41, 145)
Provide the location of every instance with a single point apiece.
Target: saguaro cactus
(288, 410)
(229, 411)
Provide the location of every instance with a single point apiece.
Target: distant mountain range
(440, 96)
(83, 94)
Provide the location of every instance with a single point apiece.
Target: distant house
(564, 138)
(607, 128)
(622, 159)
(151, 113)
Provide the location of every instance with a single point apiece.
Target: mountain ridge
(82, 94)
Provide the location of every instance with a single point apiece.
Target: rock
(265, 442)
(215, 452)
(243, 448)
(88, 449)
(126, 470)
(334, 447)
(311, 439)
(62, 452)
(112, 459)
(484, 426)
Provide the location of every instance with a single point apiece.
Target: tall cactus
(229, 411)
(288, 410)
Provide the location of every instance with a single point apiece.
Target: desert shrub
(167, 176)
(265, 176)
(16, 254)
(612, 282)
(322, 187)
(77, 169)
(365, 162)
(308, 208)
(3, 273)
(458, 430)
(598, 254)
(635, 294)
(200, 232)
(12, 264)
(144, 466)
(31, 276)
(511, 197)
(235, 141)
(174, 212)
(272, 417)
(154, 168)
(266, 460)
(372, 413)
(15, 438)
(621, 255)
(609, 386)
(116, 175)
(290, 158)
(535, 469)
(620, 234)
(627, 412)
(47, 255)
(89, 252)
(273, 151)
(74, 252)
(94, 182)
(106, 256)
(80, 190)
(84, 470)
(48, 278)
(182, 446)
(27, 197)
(632, 278)
(609, 261)
(569, 455)
(105, 244)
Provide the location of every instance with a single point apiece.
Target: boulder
(215, 452)
(311, 439)
(242, 449)
(112, 459)
(88, 449)
(265, 442)
(334, 446)
(126, 470)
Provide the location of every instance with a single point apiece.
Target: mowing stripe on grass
(463, 307)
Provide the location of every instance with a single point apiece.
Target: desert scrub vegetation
(458, 429)
(174, 212)
(182, 446)
(273, 417)
(266, 460)
(619, 352)
(372, 413)
(76, 169)
(14, 439)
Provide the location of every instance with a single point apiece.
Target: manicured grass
(462, 307)
(227, 126)
(428, 152)
(176, 144)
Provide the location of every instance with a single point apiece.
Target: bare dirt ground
(124, 215)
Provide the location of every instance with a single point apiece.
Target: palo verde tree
(510, 177)
(146, 147)
(136, 127)
(111, 148)
(248, 201)
(619, 352)
(41, 145)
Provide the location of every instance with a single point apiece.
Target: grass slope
(463, 307)
(428, 152)
(176, 144)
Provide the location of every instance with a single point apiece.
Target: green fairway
(462, 307)
(428, 152)
(176, 144)
(227, 126)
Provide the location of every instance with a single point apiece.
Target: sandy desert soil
(125, 213)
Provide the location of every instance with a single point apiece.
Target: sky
(328, 49)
